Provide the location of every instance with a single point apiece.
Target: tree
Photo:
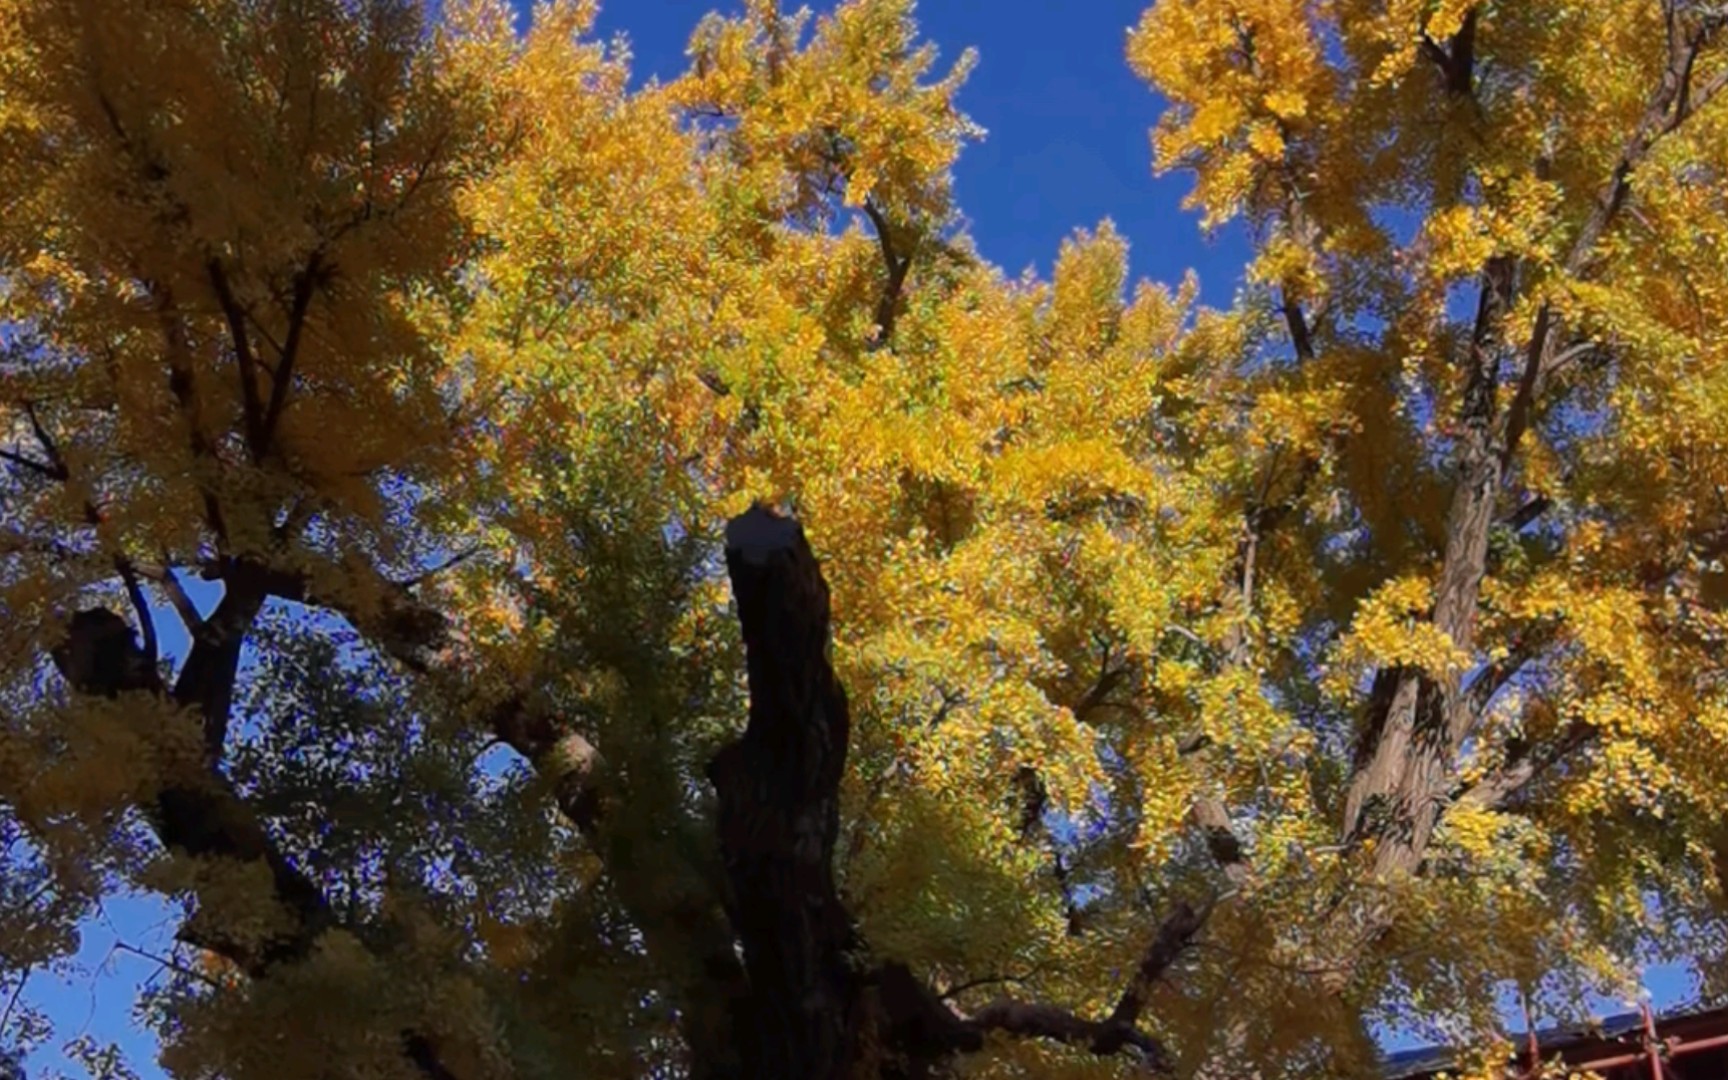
(684, 613)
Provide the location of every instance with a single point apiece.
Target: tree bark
(818, 1007)
(779, 810)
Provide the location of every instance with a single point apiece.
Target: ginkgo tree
(684, 613)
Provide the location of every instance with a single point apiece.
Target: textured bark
(1404, 773)
(1405, 762)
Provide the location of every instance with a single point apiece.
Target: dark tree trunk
(819, 1006)
(779, 811)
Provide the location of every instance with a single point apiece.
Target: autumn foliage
(1207, 688)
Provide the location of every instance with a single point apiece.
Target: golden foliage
(322, 292)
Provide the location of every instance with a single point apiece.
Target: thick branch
(164, 576)
(1300, 336)
(1413, 724)
(778, 788)
(1514, 776)
(140, 608)
(1418, 721)
(206, 681)
(1174, 936)
(1520, 519)
(1457, 62)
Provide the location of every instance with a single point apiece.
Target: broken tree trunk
(779, 809)
(819, 1007)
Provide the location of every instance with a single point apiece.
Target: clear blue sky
(1068, 146)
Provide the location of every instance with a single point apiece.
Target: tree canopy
(684, 613)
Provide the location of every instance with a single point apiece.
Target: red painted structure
(1636, 1046)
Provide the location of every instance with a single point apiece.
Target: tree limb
(897, 263)
(305, 284)
(206, 680)
(1457, 62)
(1300, 337)
(1174, 935)
(778, 787)
(140, 607)
(1499, 787)
(252, 407)
(779, 811)
(26, 462)
(165, 576)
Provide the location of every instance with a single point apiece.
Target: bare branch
(12, 1000)
(448, 564)
(1498, 788)
(1300, 336)
(171, 965)
(1567, 356)
(305, 284)
(898, 263)
(140, 606)
(165, 576)
(56, 460)
(972, 984)
(37, 467)
(1193, 744)
(1521, 518)
(1174, 935)
(252, 407)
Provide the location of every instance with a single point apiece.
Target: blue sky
(1067, 146)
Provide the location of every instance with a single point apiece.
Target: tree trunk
(779, 810)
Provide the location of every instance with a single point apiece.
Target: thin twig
(30, 463)
(448, 564)
(6, 1013)
(169, 964)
